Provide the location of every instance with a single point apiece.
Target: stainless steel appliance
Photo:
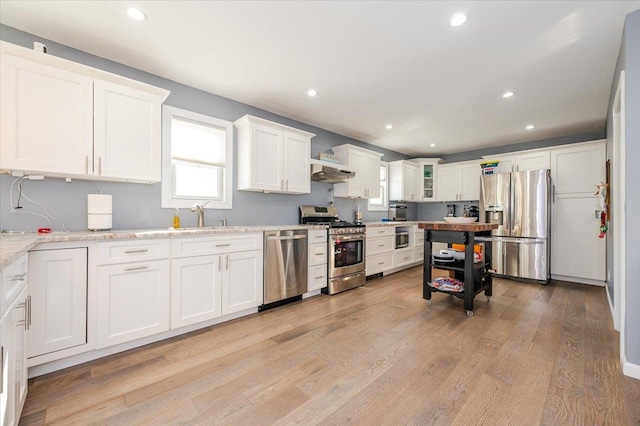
(346, 247)
(398, 212)
(327, 172)
(285, 265)
(402, 238)
(520, 204)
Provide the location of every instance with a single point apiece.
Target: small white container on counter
(99, 212)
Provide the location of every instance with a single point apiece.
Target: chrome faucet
(200, 209)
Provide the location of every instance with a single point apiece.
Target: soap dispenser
(176, 218)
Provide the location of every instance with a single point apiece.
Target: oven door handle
(347, 237)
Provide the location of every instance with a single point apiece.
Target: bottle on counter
(176, 218)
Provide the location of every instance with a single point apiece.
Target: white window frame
(168, 201)
(385, 195)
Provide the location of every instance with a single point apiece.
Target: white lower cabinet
(242, 281)
(58, 289)
(317, 259)
(403, 257)
(133, 301)
(380, 244)
(224, 277)
(14, 342)
(196, 289)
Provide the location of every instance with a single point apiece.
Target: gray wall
(138, 205)
(629, 60)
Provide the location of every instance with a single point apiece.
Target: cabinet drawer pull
(380, 245)
(380, 263)
(320, 277)
(223, 245)
(136, 251)
(137, 268)
(18, 277)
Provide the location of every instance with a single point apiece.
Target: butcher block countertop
(461, 227)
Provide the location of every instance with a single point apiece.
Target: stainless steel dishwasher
(285, 266)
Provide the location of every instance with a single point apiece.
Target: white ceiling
(372, 63)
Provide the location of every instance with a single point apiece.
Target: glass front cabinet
(427, 172)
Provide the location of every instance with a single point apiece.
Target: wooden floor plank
(373, 355)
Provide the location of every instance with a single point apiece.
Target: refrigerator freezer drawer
(527, 259)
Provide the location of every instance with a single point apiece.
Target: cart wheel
(470, 313)
(428, 302)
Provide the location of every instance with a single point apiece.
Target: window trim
(168, 201)
(385, 206)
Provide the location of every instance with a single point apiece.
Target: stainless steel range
(346, 247)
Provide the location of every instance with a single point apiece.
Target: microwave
(398, 212)
(402, 239)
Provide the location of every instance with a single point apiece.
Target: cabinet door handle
(226, 258)
(28, 312)
(86, 164)
(1, 368)
(553, 193)
(219, 263)
(99, 166)
(286, 185)
(223, 245)
(18, 277)
(137, 268)
(282, 184)
(136, 251)
(597, 214)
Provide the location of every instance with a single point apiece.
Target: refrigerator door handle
(511, 240)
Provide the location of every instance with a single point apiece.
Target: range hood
(328, 172)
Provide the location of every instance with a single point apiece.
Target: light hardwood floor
(375, 355)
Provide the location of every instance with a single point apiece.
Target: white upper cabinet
(272, 157)
(126, 132)
(64, 119)
(366, 165)
(459, 181)
(579, 168)
(46, 118)
(426, 183)
(403, 181)
(522, 161)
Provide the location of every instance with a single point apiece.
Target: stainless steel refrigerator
(520, 203)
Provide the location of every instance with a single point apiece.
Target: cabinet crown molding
(248, 119)
(348, 146)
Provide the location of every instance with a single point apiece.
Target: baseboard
(629, 369)
(588, 281)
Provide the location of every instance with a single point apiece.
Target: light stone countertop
(14, 245)
(393, 223)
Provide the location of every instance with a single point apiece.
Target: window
(381, 204)
(197, 160)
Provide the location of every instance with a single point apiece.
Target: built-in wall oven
(346, 247)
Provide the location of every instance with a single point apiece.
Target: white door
(126, 133)
(470, 182)
(195, 289)
(357, 163)
(449, 183)
(46, 118)
(133, 301)
(506, 164)
(409, 181)
(372, 175)
(576, 249)
(267, 158)
(426, 181)
(533, 161)
(20, 348)
(578, 169)
(58, 288)
(297, 153)
(242, 281)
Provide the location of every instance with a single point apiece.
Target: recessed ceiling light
(312, 92)
(507, 94)
(530, 126)
(388, 127)
(432, 145)
(458, 20)
(136, 14)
